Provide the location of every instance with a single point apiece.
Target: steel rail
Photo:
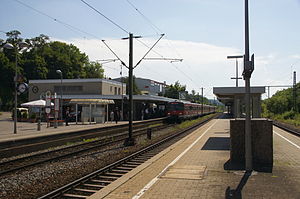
(59, 192)
(98, 144)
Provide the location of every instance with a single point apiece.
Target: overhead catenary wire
(73, 28)
(110, 20)
(152, 25)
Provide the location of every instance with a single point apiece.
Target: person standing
(116, 115)
(111, 116)
(67, 116)
(142, 115)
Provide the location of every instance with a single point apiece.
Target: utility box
(262, 142)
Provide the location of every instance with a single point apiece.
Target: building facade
(148, 86)
(38, 88)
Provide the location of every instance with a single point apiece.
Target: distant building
(148, 86)
(38, 88)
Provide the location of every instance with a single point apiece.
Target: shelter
(91, 109)
(36, 103)
(234, 99)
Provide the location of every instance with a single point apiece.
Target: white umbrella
(36, 103)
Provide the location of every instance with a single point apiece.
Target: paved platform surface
(29, 130)
(194, 168)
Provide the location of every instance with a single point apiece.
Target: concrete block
(262, 142)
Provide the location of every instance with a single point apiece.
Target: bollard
(149, 132)
(39, 125)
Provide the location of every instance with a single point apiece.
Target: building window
(111, 89)
(119, 91)
(115, 90)
(68, 89)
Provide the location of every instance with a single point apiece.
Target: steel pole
(61, 99)
(237, 73)
(202, 101)
(16, 92)
(129, 141)
(248, 142)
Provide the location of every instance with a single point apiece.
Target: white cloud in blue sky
(202, 32)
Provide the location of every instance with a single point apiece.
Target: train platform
(28, 130)
(195, 167)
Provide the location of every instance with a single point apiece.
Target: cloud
(204, 65)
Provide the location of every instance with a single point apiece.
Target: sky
(201, 32)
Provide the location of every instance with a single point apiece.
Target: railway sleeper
(121, 171)
(86, 190)
(111, 178)
(94, 185)
(124, 168)
(127, 165)
(81, 192)
(105, 182)
(113, 174)
(133, 163)
(68, 195)
(140, 159)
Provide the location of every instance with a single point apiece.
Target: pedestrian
(67, 116)
(116, 115)
(146, 113)
(142, 115)
(111, 116)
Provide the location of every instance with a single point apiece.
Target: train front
(175, 111)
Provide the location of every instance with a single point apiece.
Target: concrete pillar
(238, 107)
(90, 113)
(256, 106)
(76, 108)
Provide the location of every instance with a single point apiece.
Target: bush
(288, 115)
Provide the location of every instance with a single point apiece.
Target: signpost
(48, 105)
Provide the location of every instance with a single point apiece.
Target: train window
(175, 107)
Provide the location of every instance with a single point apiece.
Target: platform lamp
(236, 57)
(18, 48)
(61, 92)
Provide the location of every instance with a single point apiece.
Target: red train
(182, 110)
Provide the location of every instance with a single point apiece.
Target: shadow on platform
(217, 143)
(237, 193)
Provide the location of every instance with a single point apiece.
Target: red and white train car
(181, 110)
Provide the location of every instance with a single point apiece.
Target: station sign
(56, 104)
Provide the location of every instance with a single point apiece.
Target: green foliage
(172, 91)
(280, 107)
(40, 61)
(136, 90)
(93, 70)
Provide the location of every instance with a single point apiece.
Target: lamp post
(248, 69)
(61, 92)
(236, 68)
(18, 47)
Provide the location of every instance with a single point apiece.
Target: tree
(136, 90)
(172, 91)
(41, 61)
(93, 70)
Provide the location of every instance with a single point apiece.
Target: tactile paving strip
(192, 172)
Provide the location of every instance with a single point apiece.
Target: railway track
(54, 155)
(286, 128)
(97, 180)
(14, 148)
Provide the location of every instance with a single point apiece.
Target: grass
(154, 125)
(189, 123)
(90, 139)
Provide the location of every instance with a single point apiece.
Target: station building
(148, 86)
(94, 99)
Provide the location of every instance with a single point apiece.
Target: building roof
(119, 97)
(47, 81)
(92, 101)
